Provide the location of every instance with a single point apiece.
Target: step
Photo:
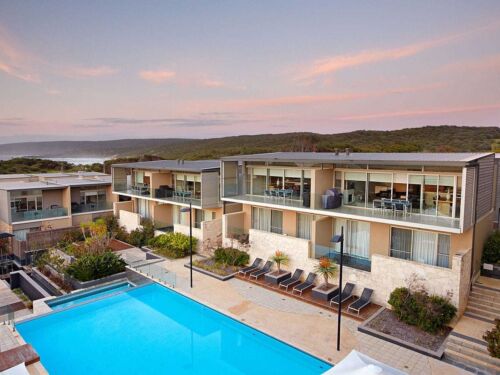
(484, 301)
(486, 287)
(481, 312)
(481, 306)
(487, 292)
(470, 345)
(484, 297)
(471, 361)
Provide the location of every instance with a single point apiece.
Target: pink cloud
(14, 61)
(483, 64)
(420, 112)
(157, 76)
(90, 72)
(329, 65)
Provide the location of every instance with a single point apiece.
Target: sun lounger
(362, 301)
(256, 263)
(309, 283)
(261, 271)
(292, 280)
(346, 294)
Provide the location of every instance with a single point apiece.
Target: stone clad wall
(212, 231)
(386, 274)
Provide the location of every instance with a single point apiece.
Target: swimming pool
(76, 298)
(154, 330)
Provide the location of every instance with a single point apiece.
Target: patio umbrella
(356, 363)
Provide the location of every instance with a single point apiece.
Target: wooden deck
(22, 354)
(9, 302)
(306, 297)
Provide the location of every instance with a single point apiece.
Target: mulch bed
(387, 322)
(116, 245)
(210, 263)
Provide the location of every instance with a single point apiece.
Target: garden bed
(386, 326)
(211, 268)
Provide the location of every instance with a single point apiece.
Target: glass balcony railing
(17, 216)
(348, 260)
(317, 203)
(91, 207)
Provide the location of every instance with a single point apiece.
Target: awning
(4, 235)
(356, 363)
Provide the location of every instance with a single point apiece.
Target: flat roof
(76, 181)
(410, 158)
(174, 165)
(21, 185)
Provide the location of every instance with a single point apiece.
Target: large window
(267, 220)
(421, 246)
(379, 186)
(304, 223)
(188, 183)
(30, 200)
(355, 188)
(356, 237)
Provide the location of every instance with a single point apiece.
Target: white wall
(130, 220)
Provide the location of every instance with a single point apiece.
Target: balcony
(348, 260)
(162, 194)
(18, 216)
(350, 212)
(91, 207)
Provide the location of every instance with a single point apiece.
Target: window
(356, 237)
(267, 220)
(28, 200)
(304, 223)
(379, 186)
(421, 246)
(355, 188)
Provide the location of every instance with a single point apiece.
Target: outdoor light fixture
(339, 239)
(183, 210)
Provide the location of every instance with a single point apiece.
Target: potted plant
(275, 277)
(491, 256)
(328, 269)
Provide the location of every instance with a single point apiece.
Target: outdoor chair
(292, 280)
(344, 296)
(256, 263)
(261, 271)
(309, 283)
(362, 301)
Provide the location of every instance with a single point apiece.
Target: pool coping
(183, 294)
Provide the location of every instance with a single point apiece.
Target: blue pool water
(80, 297)
(154, 330)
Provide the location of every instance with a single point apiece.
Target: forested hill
(425, 139)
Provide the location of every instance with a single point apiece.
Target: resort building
(159, 190)
(404, 215)
(31, 203)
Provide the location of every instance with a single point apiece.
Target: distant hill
(444, 138)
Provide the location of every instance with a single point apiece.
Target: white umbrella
(356, 363)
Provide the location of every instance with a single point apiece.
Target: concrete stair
(472, 354)
(484, 303)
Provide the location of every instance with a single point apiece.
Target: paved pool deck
(305, 326)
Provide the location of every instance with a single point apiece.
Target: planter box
(46, 283)
(274, 278)
(325, 294)
(212, 274)
(76, 284)
(491, 270)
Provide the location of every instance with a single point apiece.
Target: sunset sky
(98, 70)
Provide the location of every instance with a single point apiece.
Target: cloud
(157, 76)
(14, 61)
(489, 64)
(317, 99)
(326, 66)
(420, 112)
(12, 122)
(53, 92)
(89, 72)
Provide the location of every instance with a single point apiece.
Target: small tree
(280, 258)
(96, 236)
(326, 268)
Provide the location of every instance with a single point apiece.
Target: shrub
(231, 257)
(428, 312)
(141, 236)
(172, 245)
(491, 251)
(492, 337)
(94, 266)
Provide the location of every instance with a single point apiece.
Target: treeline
(33, 165)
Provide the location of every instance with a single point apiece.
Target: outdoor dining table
(392, 204)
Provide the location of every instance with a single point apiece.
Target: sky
(97, 70)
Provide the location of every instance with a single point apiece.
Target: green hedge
(172, 245)
(231, 257)
(491, 251)
(430, 313)
(95, 266)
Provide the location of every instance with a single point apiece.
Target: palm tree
(326, 268)
(280, 258)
